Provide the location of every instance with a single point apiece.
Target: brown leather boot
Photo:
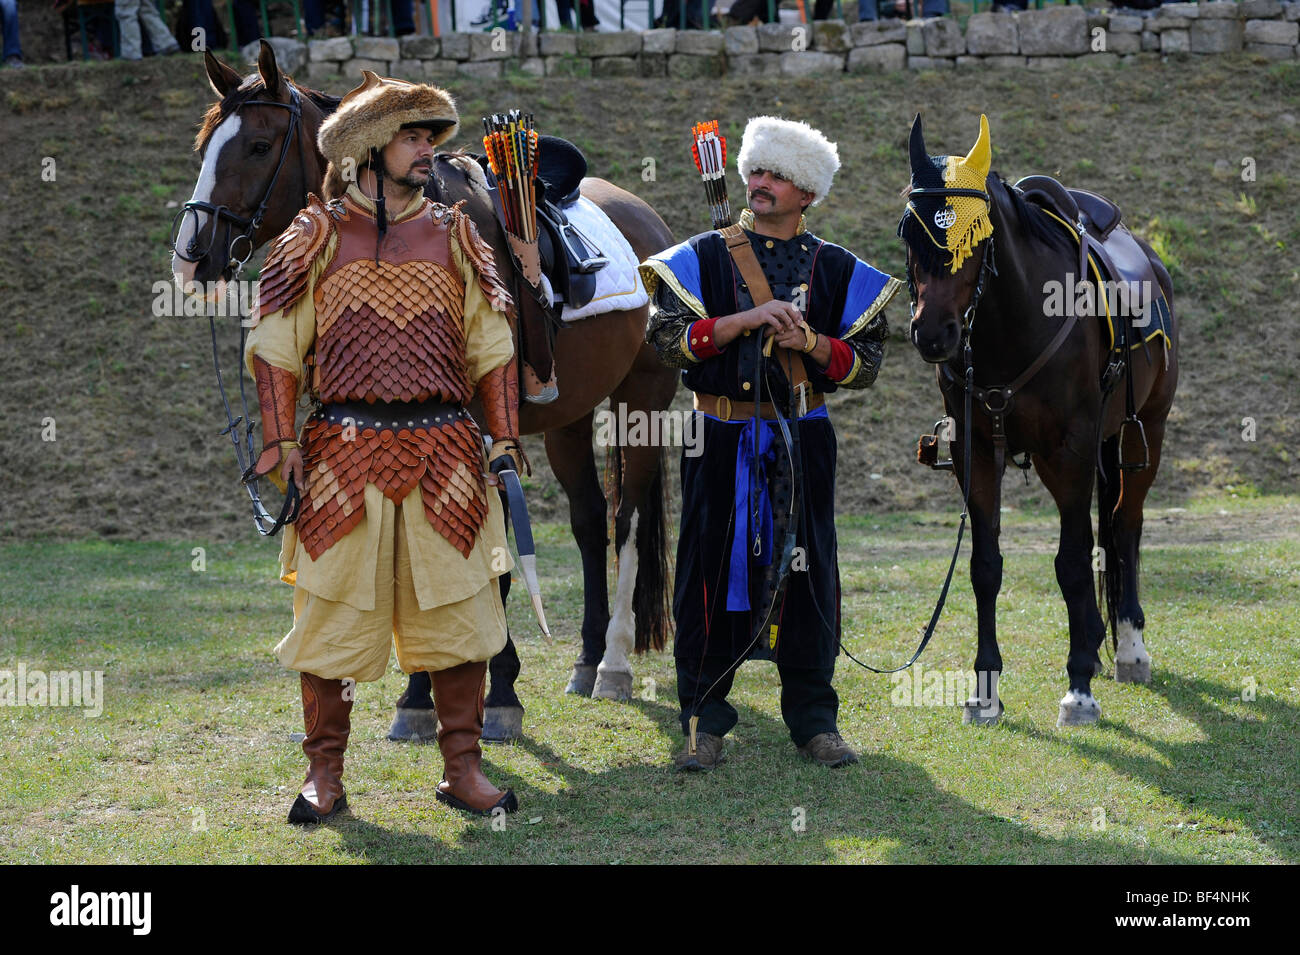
(326, 717)
(458, 695)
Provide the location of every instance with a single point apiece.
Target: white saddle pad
(618, 285)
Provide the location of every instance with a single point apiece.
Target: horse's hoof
(1136, 672)
(977, 713)
(583, 680)
(503, 724)
(613, 686)
(417, 726)
(1078, 709)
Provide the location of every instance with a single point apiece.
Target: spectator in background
(901, 9)
(13, 51)
(130, 13)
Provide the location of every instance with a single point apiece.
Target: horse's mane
(1033, 220)
(218, 112)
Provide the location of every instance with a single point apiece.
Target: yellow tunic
(392, 575)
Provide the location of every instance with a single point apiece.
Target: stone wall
(1037, 39)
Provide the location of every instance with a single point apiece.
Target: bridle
(247, 226)
(988, 264)
(267, 525)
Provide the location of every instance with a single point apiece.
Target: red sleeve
(699, 339)
(842, 359)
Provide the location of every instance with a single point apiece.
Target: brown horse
(1040, 388)
(260, 159)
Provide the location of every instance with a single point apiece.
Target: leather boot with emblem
(327, 720)
(458, 696)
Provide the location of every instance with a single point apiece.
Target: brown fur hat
(370, 116)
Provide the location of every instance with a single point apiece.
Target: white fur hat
(793, 149)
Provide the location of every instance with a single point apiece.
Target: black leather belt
(393, 416)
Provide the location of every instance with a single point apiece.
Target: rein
(267, 525)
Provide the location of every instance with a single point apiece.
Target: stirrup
(1125, 464)
(927, 448)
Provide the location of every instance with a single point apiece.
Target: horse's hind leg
(572, 460)
(1069, 475)
(1132, 661)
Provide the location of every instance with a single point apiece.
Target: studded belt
(392, 416)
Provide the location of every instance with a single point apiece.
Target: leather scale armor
(387, 332)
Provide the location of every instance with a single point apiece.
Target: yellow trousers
(336, 641)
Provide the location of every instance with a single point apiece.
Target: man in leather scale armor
(742, 590)
(386, 309)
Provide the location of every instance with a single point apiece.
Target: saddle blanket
(618, 285)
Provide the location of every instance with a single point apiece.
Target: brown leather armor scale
(277, 391)
(446, 463)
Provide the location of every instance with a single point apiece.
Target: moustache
(761, 193)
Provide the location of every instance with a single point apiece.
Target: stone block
(915, 37)
(1187, 11)
(615, 66)
(320, 72)
(875, 32)
(992, 34)
(568, 66)
(699, 43)
(1126, 23)
(741, 41)
(778, 37)
(558, 44)
(662, 41)
(1046, 62)
(482, 69)
(618, 43)
(811, 63)
(529, 44)
(1158, 25)
(1150, 41)
(654, 65)
(930, 63)
(1271, 51)
(455, 46)
(377, 48)
(533, 66)
(875, 59)
(408, 70)
(1106, 59)
(1216, 36)
(289, 53)
(1123, 43)
(686, 67)
(943, 37)
(336, 49)
(1175, 41)
(1259, 9)
(1054, 31)
(1291, 12)
(494, 46)
(352, 68)
(1000, 62)
(754, 64)
(1272, 31)
(1220, 10)
(416, 47)
(831, 36)
(437, 70)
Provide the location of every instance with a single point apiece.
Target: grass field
(191, 760)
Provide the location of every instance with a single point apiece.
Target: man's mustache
(763, 193)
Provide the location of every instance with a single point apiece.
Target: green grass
(191, 760)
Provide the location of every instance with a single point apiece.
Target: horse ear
(267, 66)
(916, 148)
(222, 77)
(980, 157)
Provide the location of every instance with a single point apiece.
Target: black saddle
(1097, 213)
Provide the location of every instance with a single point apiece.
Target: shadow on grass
(885, 808)
(1245, 769)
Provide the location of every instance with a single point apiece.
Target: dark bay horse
(258, 146)
(1038, 380)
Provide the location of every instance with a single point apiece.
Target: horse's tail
(1109, 579)
(651, 594)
